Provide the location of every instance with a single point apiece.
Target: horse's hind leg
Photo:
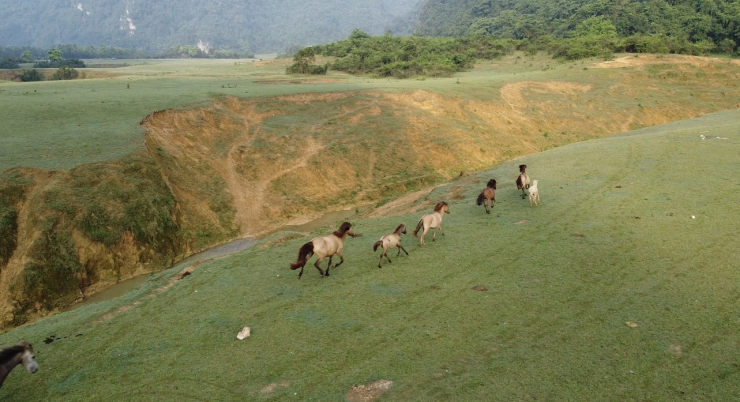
(316, 264)
(328, 266)
(301, 273)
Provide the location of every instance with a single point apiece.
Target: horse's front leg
(485, 204)
(341, 259)
(401, 248)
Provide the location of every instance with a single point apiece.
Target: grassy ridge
(612, 242)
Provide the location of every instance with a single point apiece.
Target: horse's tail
(519, 182)
(303, 255)
(377, 244)
(418, 227)
(480, 199)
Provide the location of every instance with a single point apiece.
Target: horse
(390, 241)
(325, 246)
(522, 181)
(487, 195)
(14, 355)
(534, 194)
(432, 221)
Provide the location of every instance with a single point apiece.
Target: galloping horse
(534, 194)
(390, 241)
(14, 355)
(487, 195)
(522, 181)
(432, 221)
(325, 246)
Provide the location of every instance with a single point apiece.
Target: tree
(54, 55)
(595, 27)
(26, 57)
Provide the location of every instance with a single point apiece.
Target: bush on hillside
(64, 73)
(31, 75)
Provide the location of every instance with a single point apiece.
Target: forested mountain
(693, 20)
(245, 25)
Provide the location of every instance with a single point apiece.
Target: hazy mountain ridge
(249, 25)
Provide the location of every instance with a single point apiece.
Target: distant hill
(248, 25)
(694, 20)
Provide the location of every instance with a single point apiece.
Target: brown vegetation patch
(480, 288)
(676, 349)
(272, 387)
(368, 392)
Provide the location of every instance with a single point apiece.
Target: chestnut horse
(487, 195)
(432, 221)
(14, 355)
(390, 241)
(325, 246)
(522, 181)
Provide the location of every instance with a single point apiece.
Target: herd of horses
(330, 245)
(322, 247)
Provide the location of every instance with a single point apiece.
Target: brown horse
(325, 246)
(14, 355)
(522, 181)
(432, 221)
(488, 195)
(390, 241)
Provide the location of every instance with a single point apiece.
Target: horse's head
(522, 168)
(346, 228)
(400, 229)
(491, 184)
(28, 358)
(442, 207)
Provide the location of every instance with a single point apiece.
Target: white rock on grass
(244, 333)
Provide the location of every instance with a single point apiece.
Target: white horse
(390, 241)
(21, 353)
(534, 194)
(432, 221)
(325, 246)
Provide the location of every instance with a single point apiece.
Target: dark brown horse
(325, 246)
(14, 355)
(390, 241)
(432, 221)
(522, 181)
(488, 195)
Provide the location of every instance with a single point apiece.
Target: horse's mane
(344, 228)
(398, 229)
(522, 168)
(439, 206)
(491, 184)
(8, 353)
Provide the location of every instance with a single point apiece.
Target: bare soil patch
(368, 392)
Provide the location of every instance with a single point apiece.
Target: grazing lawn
(622, 285)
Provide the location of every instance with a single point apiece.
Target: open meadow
(634, 229)
(622, 284)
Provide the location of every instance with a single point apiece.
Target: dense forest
(156, 26)
(715, 21)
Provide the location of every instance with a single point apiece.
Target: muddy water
(123, 287)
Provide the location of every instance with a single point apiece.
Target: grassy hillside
(636, 228)
(241, 149)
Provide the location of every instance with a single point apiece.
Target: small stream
(233, 247)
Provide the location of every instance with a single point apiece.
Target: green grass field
(637, 228)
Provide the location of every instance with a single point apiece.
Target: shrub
(31, 75)
(65, 73)
(9, 64)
